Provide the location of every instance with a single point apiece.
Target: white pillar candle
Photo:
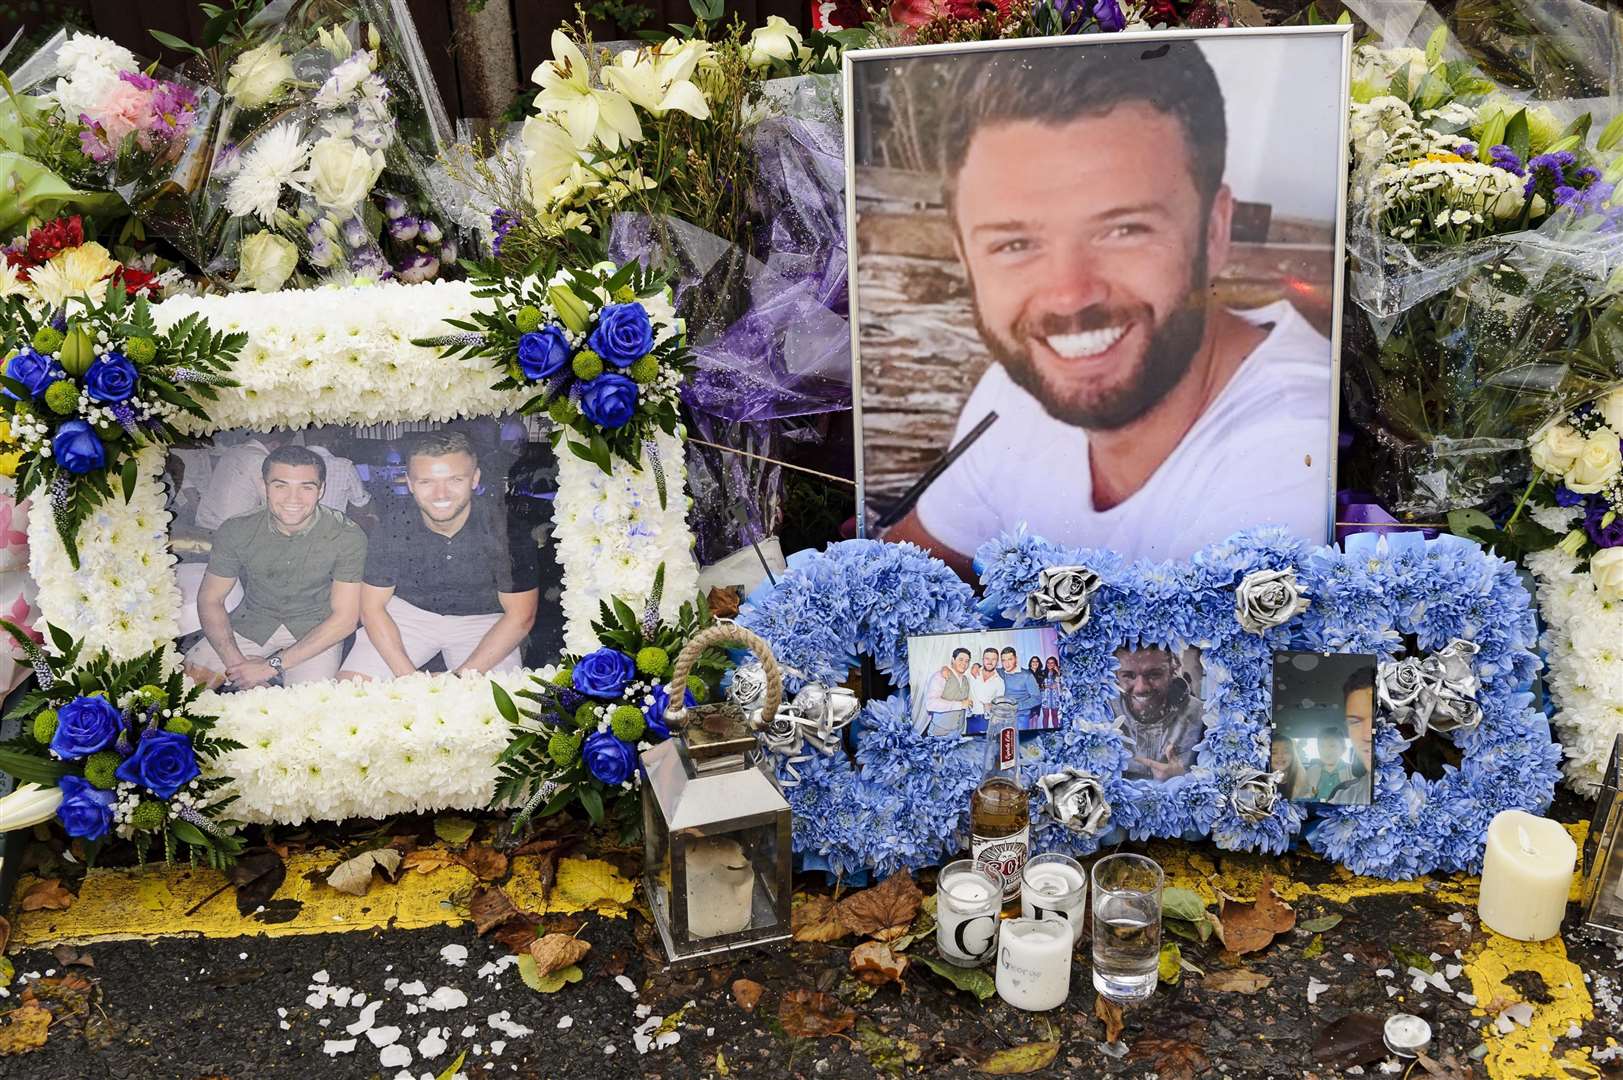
(1034, 963)
(721, 887)
(968, 899)
(1526, 876)
(1054, 887)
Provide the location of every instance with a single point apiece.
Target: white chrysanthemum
(272, 163)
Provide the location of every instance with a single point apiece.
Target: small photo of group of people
(364, 553)
(1323, 726)
(956, 675)
(1159, 708)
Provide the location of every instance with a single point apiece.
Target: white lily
(336, 42)
(659, 82)
(586, 112)
(28, 805)
(550, 154)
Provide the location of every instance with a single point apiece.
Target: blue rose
(85, 725)
(623, 335)
(77, 449)
(34, 371)
(609, 400)
(85, 811)
(653, 714)
(544, 353)
(607, 758)
(111, 378)
(163, 763)
(604, 673)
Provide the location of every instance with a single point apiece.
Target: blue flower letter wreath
(901, 799)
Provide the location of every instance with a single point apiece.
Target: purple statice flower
(1466, 150)
(501, 223)
(418, 266)
(394, 207)
(1609, 535)
(429, 231)
(403, 229)
(1547, 172)
(1565, 195)
(323, 252)
(355, 234)
(1503, 157)
(1586, 175)
(1565, 496)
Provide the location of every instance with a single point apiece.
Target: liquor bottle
(999, 821)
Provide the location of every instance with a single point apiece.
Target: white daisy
(270, 164)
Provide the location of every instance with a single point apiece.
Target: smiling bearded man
(1135, 411)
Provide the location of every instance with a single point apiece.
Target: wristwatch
(275, 661)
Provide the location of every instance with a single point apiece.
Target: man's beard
(1168, 355)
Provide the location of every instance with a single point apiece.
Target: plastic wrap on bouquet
(612, 536)
(16, 587)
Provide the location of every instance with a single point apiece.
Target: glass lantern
(716, 828)
(1603, 852)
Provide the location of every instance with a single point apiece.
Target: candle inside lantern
(968, 898)
(1054, 887)
(721, 887)
(1034, 963)
(1526, 876)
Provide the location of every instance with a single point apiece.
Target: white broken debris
(1385, 973)
(455, 955)
(497, 966)
(390, 983)
(503, 1022)
(334, 1047)
(415, 988)
(320, 976)
(395, 1056)
(446, 998)
(364, 1021)
(1314, 989)
(1452, 971)
(565, 1023)
(1468, 999)
(626, 984)
(432, 1045)
(1517, 1015)
(383, 1036)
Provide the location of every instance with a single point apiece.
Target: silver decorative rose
(1076, 800)
(1432, 693)
(1064, 595)
(1255, 794)
(1265, 599)
(748, 688)
(813, 721)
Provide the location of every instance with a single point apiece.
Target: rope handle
(722, 634)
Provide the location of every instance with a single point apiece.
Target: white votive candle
(1054, 887)
(968, 899)
(1526, 876)
(1034, 963)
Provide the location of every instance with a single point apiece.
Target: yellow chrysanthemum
(76, 272)
(1435, 156)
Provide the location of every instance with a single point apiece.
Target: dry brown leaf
(1174, 1059)
(486, 862)
(516, 936)
(1019, 1060)
(817, 918)
(5, 935)
(354, 876)
(557, 951)
(1110, 1013)
(873, 962)
(24, 1029)
(47, 895)
(810, 1014)
(490, 907)
(723, 602)
(747, 992)
(1248, 927)
(884, 911)
(427, 860)
(1236, 981)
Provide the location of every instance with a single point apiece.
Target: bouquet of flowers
(118, 748)
(54, 262)
(590, 716)
(1575, 502)
(86, 387)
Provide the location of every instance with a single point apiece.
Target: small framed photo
(1323, 738)
(956, 675)
(1159, 705)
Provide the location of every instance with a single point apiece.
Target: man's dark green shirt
(286, 580)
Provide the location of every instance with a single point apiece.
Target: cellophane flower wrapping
(330, 122)
(1484, 237)
(768, 328)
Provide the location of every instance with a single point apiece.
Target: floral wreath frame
(901, 799)
(345, 356)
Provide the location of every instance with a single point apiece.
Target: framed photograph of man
(364, 553)
(1323, 738)
(1160, 707)
(1096, 287)
(955, 676)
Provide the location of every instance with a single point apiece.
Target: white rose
(258, 76)
(777, 40)
(267, 262)
(1610, 408)
(1606, 568)
(1597, 465)
(341, 174)
(1557, 449)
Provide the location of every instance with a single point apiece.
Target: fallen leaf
(546, 984)
(873, 962)
(1409, 958)
(1236, 981)
(8, 971)
(257, 874)
(5, 934)
(64, 995)
(1451, 1069)
(1183, 904)
(515, 936)
(427, 860)
(1110, 1013)
(557, 951)
(721, 1065)
(884, 911)
(811, 1014)
(1321, 924)
(1169, 968)
(456, 831)
(1174, 1059)
(486, 862)
(354, 875)
(1314, 948)
(888, 1055)
(1018, 1060)
(24, 1029)
(450, 1071)
(490, 907)
(747, 992)
(1248, 927)
(817, 919)
(68, 956)
(1355, 1039)
(969, 980)
(47, 895)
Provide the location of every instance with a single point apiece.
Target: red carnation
(55, 236)
(135, 281)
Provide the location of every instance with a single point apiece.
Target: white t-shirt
(983, 692)
(1259, 455)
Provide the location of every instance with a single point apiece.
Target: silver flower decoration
(813, 721)
(1064, 595)
(748, 688)
(1076, 800)
(1265, 599)
(1255, 794)
(1433, 693)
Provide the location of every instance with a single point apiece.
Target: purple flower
(163, 763)
(448, 252)
(609, 400)
(1547, 172)
(1109, 15)
(394, 206)
(544, 353)
(501, 223)
(138, 80)
(93, 141)
(86, 811)
(85, 725)
(1466, 150)
(1565, 496)
(1503, 157)
(34, 371)
(608, 759)
(418, 266)
(173, 109)
(654, 712)
(403, 229)
(429, 231)
(355, 233)
(1608, 535)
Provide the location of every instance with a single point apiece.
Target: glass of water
(1126, 926)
